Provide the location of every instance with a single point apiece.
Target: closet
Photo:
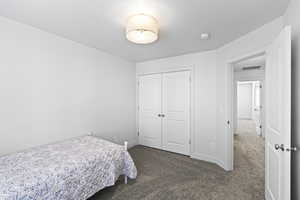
(164, 111)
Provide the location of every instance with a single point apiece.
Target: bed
(74, 169)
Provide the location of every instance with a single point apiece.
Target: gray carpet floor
(168, 176)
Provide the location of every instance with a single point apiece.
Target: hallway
(249, 150)
(249, 145)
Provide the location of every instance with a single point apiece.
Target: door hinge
(260, 86)
(190, 142)
(260, 126)
(228, 122)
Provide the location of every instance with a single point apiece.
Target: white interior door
(149, 109)
(176, 112)
(278, 117)
(244, 100)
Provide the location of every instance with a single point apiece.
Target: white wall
(204, 83)
(252, 42)
(292, 18)
(244, 100)
(52, 88)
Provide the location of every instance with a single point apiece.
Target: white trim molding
(229, 160)
(209, 159)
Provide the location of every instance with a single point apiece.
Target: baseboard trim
(196, 156)
(222, 165)
(203, 157)
(208, 158)
(132, 144)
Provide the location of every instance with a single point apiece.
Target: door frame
(229, 109)
(192, 102)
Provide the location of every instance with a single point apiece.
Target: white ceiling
(101, 23)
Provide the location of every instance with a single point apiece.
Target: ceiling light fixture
(205, 36)
(142, 29)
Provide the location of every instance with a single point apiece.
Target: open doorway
(249, 118)
(249, 107)
(276, 126)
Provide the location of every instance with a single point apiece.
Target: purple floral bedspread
(71, 170)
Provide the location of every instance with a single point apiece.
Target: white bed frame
(125, 148)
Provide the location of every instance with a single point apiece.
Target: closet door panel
(176, 110)
(149, 108)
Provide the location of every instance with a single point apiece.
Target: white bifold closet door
(149, 109)
(164, 120)
(175, 108)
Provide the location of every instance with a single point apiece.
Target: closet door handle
(162, 115)
(159, 115)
